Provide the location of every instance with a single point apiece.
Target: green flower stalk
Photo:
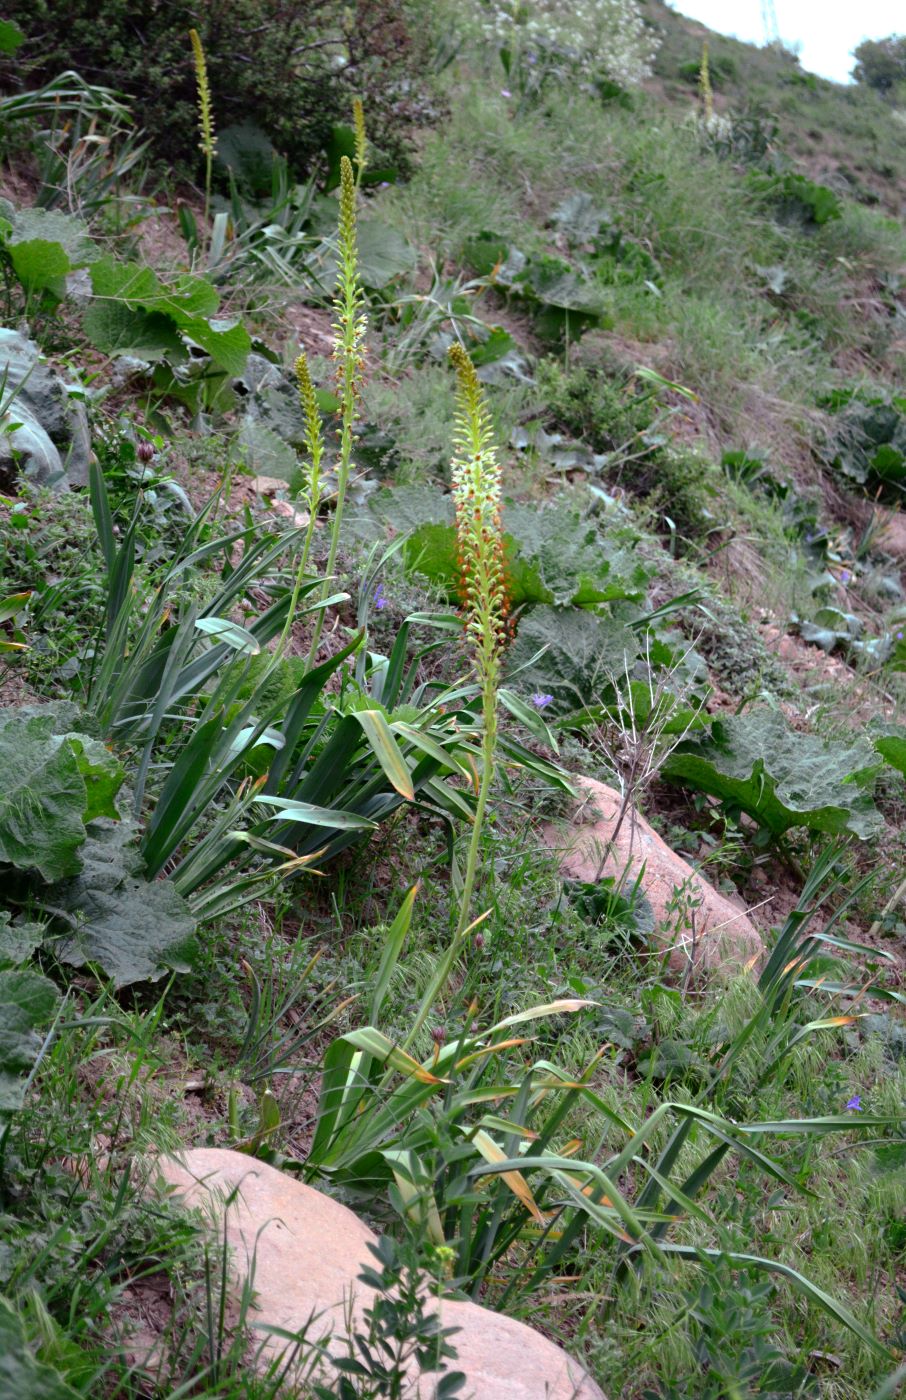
(361, 140)
(208, 141)
(314, 449)
(349, 328)
(479, 537)
(706, 92)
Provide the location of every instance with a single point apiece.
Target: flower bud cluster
(361, 140)
(314, 434)
(350, 322)
(479, 535)
(208, 143)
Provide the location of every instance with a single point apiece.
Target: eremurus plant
(476, 480)
(208, 141)
(349, 328)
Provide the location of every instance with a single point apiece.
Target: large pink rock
(695, 923)
(306, 1250)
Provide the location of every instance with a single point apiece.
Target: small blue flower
(855, 1104)
(845, 576)
(539, 701)
(380, 602)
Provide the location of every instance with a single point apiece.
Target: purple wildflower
(505, 92)
(845, 576)
(899, 635)
(855, 1104)
(539, 701)
(380, 602)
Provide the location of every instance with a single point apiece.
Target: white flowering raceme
(606, 36)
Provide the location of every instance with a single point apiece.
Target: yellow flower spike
(704, 85)
(361, 140)
(476, 482)
(314, 432)
(208, 141)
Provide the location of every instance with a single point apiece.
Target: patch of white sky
(824, 32)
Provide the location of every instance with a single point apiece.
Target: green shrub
(867, 441)
(797, 199)
(270, 62)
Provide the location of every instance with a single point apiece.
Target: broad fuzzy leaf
(33, 224)
(41, 266)
(43, 797)
(189, 303)
(27, 1004)
(552, 556)
(102, 774)
(583, 652)
(780, 777)
(574, 563)
(118, 329)
(133, 929)
(18, 941)
(890, 743)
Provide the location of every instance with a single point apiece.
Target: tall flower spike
(479, 539)
(208, 141)
(479, 536)
(314, 432)
(349, 327)
(704, 86)
(361, 140)
(314, 447)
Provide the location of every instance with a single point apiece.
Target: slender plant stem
(476, 489)
(349, 333)
(464, 923)
(342, 481)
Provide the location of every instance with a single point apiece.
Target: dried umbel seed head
(145, 451)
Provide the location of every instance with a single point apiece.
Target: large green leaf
(18, 941)
(131, 928)
(190, 303)
(27, 1004)
(118, 329)
(780, 777)
(41, 266)
(553, 555)
(890, 742)
(383, 253)
(21, 1375)
(574, 562)
(43, 796)
(583, 652)
(102, 774)
(33, 224)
